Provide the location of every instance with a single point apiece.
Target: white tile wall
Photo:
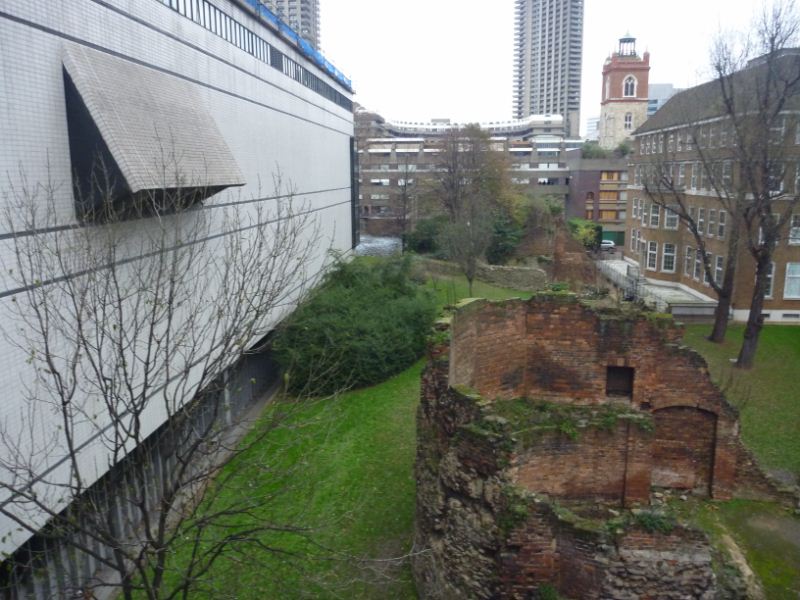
(269, 122)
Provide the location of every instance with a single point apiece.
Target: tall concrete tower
(548, 48)
(625, 91)
(300, 15)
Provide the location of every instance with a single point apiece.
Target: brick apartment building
(598, 192)
(397, 160)
(689, 128)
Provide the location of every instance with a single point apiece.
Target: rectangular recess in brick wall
(619, 381)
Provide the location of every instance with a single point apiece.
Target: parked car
(608, 245)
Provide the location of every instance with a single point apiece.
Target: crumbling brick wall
(516, 418)
(481, 535)
(555, 348)
(570, 261)
(606, 465)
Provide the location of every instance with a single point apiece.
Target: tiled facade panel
(272, 124)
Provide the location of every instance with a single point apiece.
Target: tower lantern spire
(627, 46)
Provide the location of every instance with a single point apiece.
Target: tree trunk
(755, 321)
(725, 295)
(720, 319)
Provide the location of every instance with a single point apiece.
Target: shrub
(655, 522)
(424, 238)
(586, 232)
(367, 321)
(505, 239)
(593, 150)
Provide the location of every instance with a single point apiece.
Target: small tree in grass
(471, 185)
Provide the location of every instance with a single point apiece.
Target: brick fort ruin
(543, 429)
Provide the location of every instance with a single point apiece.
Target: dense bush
(424, 238)
(505, 239)
(368, 320)
(586, 232)
(592, 149)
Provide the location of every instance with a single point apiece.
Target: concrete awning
(155, 126)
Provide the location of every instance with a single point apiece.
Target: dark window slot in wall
(619, 381)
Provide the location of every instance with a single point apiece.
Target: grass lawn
(451, 289)
(345, 469)
(768, 396)
(767, 534)
(346, 472)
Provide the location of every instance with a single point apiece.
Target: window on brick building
(770, 280)
(652, 256)
(794, 230)
(688, 261)
(655, 215)
(671, 217)
(778, 130)
(775, 180)
(791, 287)
(668, 258)
(698, 265)
(721, 225)
(619, 381)
(628, 121)
(718, 269)
(629, 87)
(727, 174)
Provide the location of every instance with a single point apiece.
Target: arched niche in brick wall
(684, 448)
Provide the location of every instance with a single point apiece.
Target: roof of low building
(705, 101)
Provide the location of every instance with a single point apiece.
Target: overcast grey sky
(419, 59)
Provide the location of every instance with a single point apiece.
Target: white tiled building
(221, 82)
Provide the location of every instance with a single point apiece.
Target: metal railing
(633, 285)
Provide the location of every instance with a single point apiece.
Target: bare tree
(407, 197)
(129, 328)
(666, 185)
(749, 103)
(470, 184)
(756, 100)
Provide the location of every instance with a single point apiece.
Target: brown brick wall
(585, 564)
(594, 465)
(683, 448)
(570, 261)
(745, 274)
(555, 348)
(484, 486)
(619, 67)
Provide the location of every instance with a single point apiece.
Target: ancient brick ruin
(541, 423)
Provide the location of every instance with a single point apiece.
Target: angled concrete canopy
(152, 127)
